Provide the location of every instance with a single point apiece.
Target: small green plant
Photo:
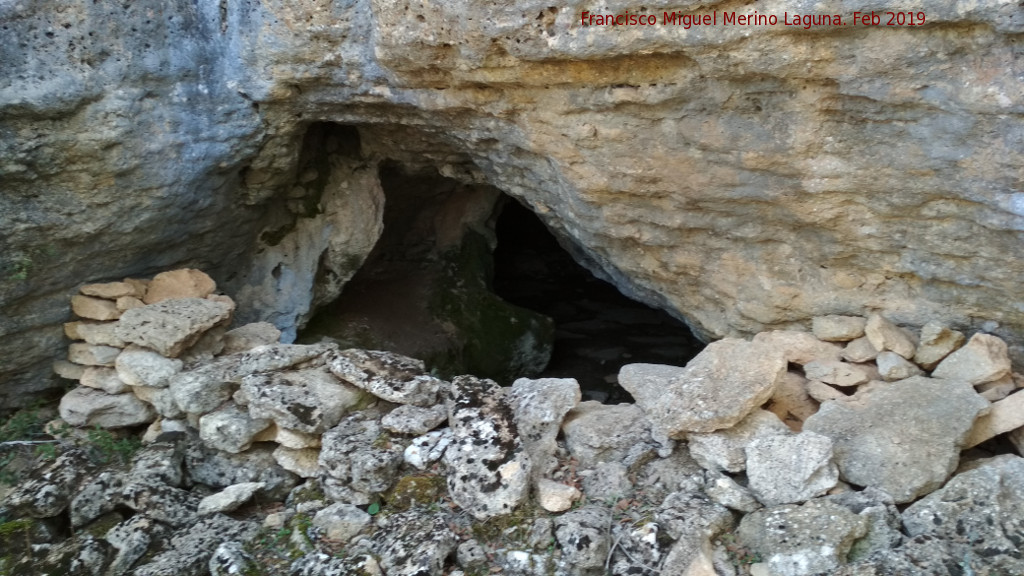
(105, 448)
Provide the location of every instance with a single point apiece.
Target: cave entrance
(597, 329)
(471, 282)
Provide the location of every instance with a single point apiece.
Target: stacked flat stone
(131, 337)
(814, 437)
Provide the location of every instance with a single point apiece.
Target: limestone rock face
(754, 184)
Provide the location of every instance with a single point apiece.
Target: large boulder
(903, 438)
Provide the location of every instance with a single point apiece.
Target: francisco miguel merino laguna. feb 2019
(687, 20)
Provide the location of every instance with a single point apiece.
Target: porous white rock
(230, 428)
(303, 462)
(388, 376)
(488, 466)
(250, 336)
(538, 407)
(171, 326)
(340, 521)
(207, 386)
(802, 540)
(427, 449)
(715, 390)
(97, 333)
(417, 420)
(309, 400)
(596, 432)
(90, 407)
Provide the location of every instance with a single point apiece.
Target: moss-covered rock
(415, 490)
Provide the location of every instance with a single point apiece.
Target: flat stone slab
(171, 326)
(388, 376)
(715, 390)
(904, 438)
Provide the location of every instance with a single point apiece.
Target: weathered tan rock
(89, 407)
(140, 285)
(798, 347)
(983, 359)
(996, 391)
(1003, 416)
(715, 390)
(89, 355)
(837, 328)
(556, 496)
(68, 370)
(936, 342)
(860, 350)
(94, 308)
(183, 283)
(128, 302)
(822, 392)
(892, 367)
(98, 333)
(109, 291)
(171, 326)
(105, 379)
(292, 439)
(884, 335)
(304, 462)
(250, 336)
(835, 373)
(791, 402)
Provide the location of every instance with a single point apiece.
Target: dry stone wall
(797, 472)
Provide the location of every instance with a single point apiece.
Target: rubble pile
(852, 449)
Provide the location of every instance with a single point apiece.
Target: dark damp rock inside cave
(472, 282)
